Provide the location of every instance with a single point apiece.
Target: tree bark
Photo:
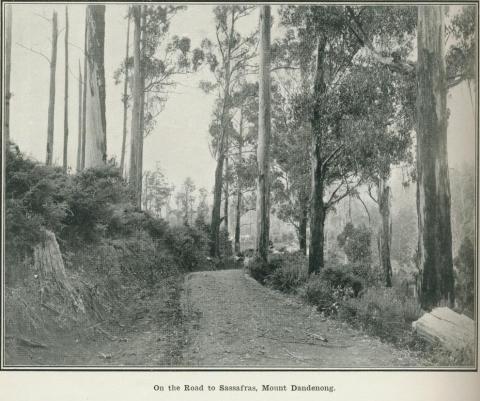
(48, 262)
(238, 211)
(84, 98)
(51, 102)
(317, 211)
(137, 94)
(217, 191)
(263, 147)
(384, 237)
(433, 185)
(65, 102)
(217, 199)
(125, 100)
(225, 196)
(8, 64)
(80, 112)
(96, 124)
(302, 227)
(143, 20)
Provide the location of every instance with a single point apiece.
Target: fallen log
(453, 331)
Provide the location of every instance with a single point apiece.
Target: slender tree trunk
(142, 107)
(384, 237)
(263, 147)
(145, 191)
(84, 98)
(317, 212)
(125, 99)
(65, 103)
(302, 227)
(238, 215)
(217, 191)
(238, 211)
(8, 64)
(96, 123)
(217, 199)
(433, 185)
(80, 99)
(51, 103)
(137, 94)
(225, 196)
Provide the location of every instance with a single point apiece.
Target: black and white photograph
(239, 186)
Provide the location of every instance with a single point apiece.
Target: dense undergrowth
(352, 293)
(112, 251)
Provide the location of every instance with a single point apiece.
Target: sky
(179, 143)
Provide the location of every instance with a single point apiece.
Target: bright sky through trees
(180, 138)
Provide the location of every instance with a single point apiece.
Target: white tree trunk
(135, 175)
(80, 113)
(8, 64)
(95, 140)
(263, 148)
(125, 100)
(65, 103)
(51, 102)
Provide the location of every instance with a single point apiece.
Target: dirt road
(236, 322)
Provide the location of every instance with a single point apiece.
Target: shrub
(35, 198)
(369, 275)
(226, 249)
(320, 293)
(91, 199)
(189, 246)
(342, 278)
(356, 242)
(259, 270)
(382, 312)
(291, 273)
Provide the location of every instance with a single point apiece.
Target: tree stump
(56, 286)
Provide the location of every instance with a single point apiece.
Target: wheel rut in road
(233, 321)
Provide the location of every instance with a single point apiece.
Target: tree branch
(396, 65)
(369, 190)
(331, 156)
(34, 51)
(365, 207)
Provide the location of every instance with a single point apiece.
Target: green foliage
(202, 209)
(189, 246)
(404, 233)
(465, 277)
(291, 273)
(460, 57)
(382, 312)
(164, 59)
(157, 191)
(291, 179)
(86, 207)
(343, 278)
(356, 242)
(261, 271)
(185, 200)
(320, 293)
(226, 249)
(35, 198)
(91, 197)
